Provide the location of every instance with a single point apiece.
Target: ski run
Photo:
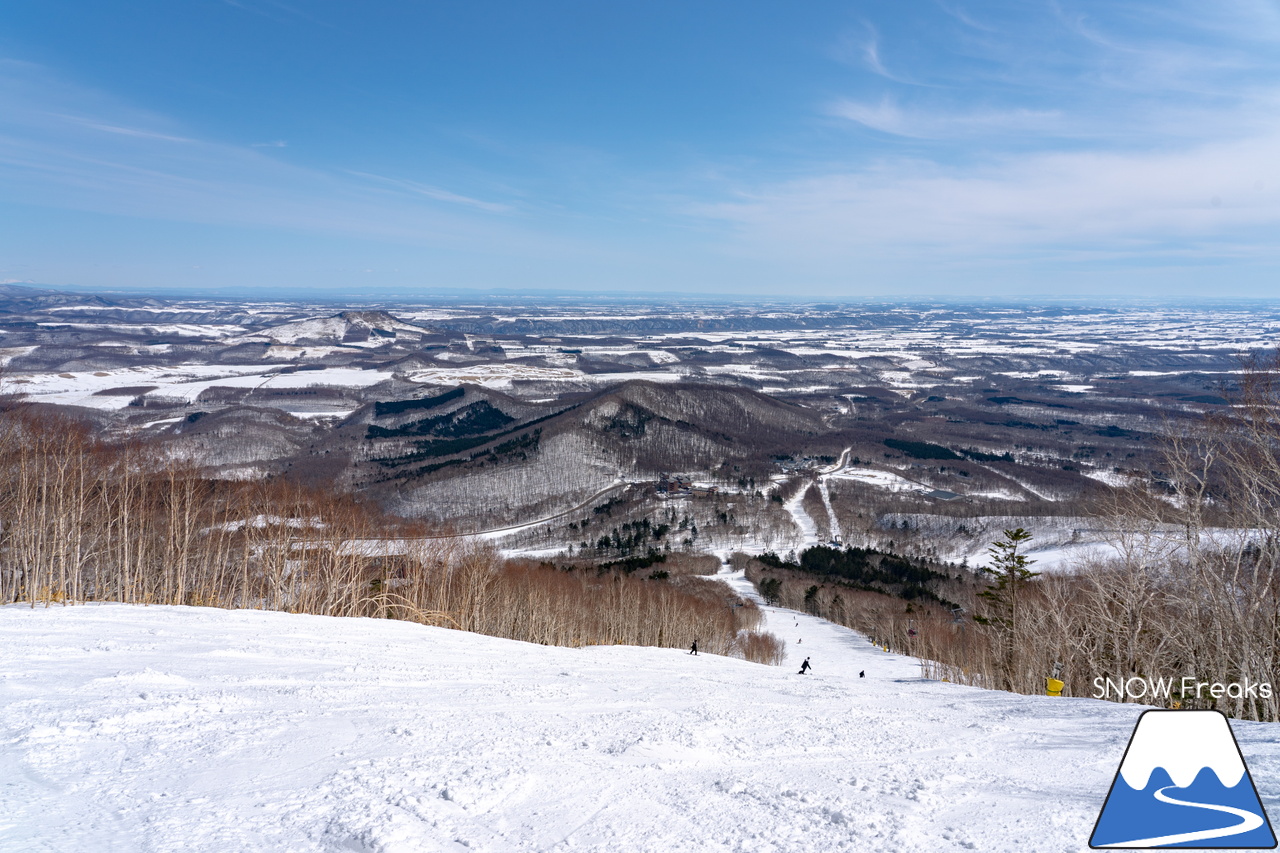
(127, 728)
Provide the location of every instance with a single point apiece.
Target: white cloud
(887, 117)
(1213, 200)
(965, 18)
(128, 131)
(1107, 133)
(864, 50)
(871, 53)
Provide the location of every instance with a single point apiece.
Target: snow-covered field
(874, 477)
(164, 729)
(187, 382)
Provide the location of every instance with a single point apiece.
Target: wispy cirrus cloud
(871, 55)
(1071, 68)
(963, 16)
(436, 193)
(861, 47)
(1043, 159)
(887, 116)
(72, 147)
(126, 131)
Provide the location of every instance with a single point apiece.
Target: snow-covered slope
(162, 728)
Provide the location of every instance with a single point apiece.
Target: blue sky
(833, 150)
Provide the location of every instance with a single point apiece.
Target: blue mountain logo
(1183, 783)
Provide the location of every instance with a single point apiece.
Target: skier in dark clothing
(862, 673)
(804, 667)
(693, 650)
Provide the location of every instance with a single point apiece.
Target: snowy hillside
(129, 728)
(354, 328)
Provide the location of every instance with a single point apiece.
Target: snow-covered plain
(503, 375)
(907, 349)
(165, 728)
(186, 383)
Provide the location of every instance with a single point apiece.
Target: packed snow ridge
(170, 728)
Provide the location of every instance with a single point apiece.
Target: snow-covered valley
(166, 728)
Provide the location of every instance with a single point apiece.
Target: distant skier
(862, 673)
(804, 667)
(693, 650)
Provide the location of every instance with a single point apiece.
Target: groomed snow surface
(129, 728)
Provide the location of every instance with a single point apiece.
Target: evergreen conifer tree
(1009, 573)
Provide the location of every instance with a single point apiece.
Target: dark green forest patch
(397, 407)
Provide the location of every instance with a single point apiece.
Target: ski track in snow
(126, 728)
(832, 521)
(806, 529)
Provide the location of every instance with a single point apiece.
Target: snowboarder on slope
(804, 667)
(693, 650)
(862, 673)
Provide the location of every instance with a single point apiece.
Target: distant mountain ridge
(20, 298)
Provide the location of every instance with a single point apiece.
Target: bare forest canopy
(84, 520)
